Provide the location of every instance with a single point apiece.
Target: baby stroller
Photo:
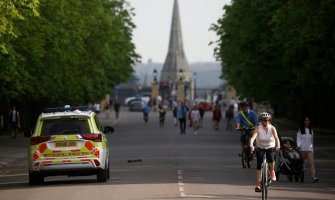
(289, 161)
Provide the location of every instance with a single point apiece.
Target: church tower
(175, 61)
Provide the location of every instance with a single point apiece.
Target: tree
(274, 49)
(73, 52)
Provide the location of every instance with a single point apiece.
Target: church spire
(175, 59)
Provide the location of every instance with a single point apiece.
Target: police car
(68, 141)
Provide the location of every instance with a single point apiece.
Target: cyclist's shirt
(252, 117)
(265, 140)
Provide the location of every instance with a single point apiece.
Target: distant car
(144, 97)
(68, 142)
(204, 105)
(136, 105)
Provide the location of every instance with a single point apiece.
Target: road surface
(172, 166)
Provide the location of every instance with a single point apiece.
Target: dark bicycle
(246, 155)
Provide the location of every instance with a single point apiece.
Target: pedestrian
(182, 111)
(267, 140)
(195, 118)
(174, 112)
(217, 115)
(162, 112)
(117, 109)
(229, 117)
(146, 112)
(15, 124)
(202, 113)
(305, 145)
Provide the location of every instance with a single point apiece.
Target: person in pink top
(267, 140)
(305, 146)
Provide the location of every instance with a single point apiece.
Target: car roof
(75, 113)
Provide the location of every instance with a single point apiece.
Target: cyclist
(246, 118)
(267, 139)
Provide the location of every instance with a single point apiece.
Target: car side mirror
(108, 130)
(28, 133)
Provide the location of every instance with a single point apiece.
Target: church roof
(175, 59)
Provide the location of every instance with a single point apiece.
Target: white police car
(68, 141)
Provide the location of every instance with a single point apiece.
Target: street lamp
(195, 84)
(155, 75)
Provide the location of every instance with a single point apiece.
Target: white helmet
(264, 115)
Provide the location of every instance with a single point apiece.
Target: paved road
(173, 166)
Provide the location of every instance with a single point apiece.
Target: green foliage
(280, 51)
(74, 52)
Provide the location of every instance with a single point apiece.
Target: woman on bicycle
(267, 139)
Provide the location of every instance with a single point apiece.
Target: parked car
(144, 97)
(136, 105)
(68, 141)
(202, 103)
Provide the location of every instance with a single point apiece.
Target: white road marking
(11, 175)
(181, 183)
(9, 183)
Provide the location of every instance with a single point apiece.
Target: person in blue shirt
(182, 111)
(246, 119)
(146, 111)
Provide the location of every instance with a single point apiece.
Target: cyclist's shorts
(270, 154)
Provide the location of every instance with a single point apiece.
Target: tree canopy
(64, 51)
(282, 51)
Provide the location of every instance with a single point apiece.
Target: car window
(65, 126)
(97, 122)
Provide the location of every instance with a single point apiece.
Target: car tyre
(108, 173)
(102, 175)
(35, 179)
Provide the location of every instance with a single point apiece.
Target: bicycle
(265, 177)
(246, 155)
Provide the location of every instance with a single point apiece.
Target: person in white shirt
(267, 139)
(195, 117)
(305, 145)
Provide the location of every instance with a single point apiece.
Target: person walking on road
(195, 117)
(267, 139)
(217, 115)
(229, 118)
(15, 124)
(174, 112)
(182, 111)
(162, 112)
(117, 109)
(305, 145)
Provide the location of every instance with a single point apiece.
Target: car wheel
(35, 179)
(108, 173)
(102, 174)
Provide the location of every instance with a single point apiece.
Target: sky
(153, 21)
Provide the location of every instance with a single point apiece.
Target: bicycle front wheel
(264, 182)
(244, 159)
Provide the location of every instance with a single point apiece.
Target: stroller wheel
(277, 175)
(302, 177)
(296, 177)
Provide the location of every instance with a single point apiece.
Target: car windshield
(65, 126)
